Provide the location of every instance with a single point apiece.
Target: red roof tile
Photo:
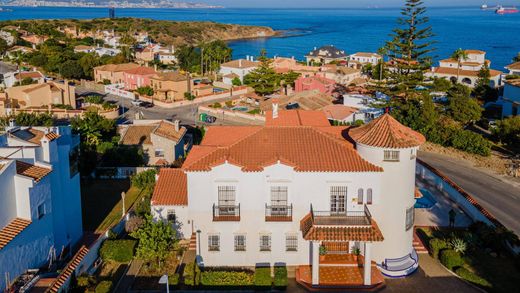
(386, 132)
(339, 233)
(9, 232)
(171, 188)
(67, 272)
(297, 118)
(141, 71)
(35, 172)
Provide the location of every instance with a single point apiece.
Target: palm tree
(382, 51)
(459, 55)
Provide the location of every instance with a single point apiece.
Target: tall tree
(517, 58)
(459, 55)
(409, 49)
(461, 106)
(263, 79)
(155, 240)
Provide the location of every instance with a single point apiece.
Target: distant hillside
(163, 31)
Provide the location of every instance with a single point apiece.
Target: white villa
(297, 191)
(40, 202)
(510, 100)
(360, 59)
(467, 72)
(237, 69)
(514, 69)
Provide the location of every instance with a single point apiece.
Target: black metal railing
(348, 218)
(276, 213)
(226, 212)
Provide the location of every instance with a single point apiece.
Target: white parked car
(136, 103)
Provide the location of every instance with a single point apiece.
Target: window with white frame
(369, 196)
(391, 156)
(170, 216)
(214, 242)
(278, 200)
(338, 199)
(409, 218)
(159, 153)
(265, 242)
(291, 242)
(360, 196)
(240, 242)
(41, 211)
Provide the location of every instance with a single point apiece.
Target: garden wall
(119, 172)
(450, 189)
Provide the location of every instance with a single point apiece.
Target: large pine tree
(409, 49)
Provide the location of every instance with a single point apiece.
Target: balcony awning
(366, 233)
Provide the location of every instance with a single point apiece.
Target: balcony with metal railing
(342, 218)
(226, 213)
(278, 213)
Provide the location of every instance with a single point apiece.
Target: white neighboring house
(273, 194)
(8, 37)
(514, 69)
(40, 202)
(467, 73)
(11, 78)
(364, 103)
(510, 100)
(237, 68)
(360, 59)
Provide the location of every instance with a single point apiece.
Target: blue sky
(346, 3)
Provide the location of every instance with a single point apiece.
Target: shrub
(104, 287)
(85, 281)
(118, 250)
(191, 274)
(451, 259)
(227, 278)
(472, 277)
(173, 280)
(94, 100)
(471, 142)
(458, 245)
(145, 179)
(280, 276)
(436, 245)
(263, 276)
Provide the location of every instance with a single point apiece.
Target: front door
(338, 199)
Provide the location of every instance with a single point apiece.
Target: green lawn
(101, 202)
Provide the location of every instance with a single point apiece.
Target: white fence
(118, 90)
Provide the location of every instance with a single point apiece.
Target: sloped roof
(167, 130)
(32, 171)
(169, 76)
(338, 112)
(515, 66)
(240, 63)
(138, 134)
(296, 118)
(29, 134)
(461, 72)
(366, 54)
(171, 188)
(116, 67)
(67, 272)
(141, 70)
(31, 74)
(9, 232)
(386, 132)
(329, 51)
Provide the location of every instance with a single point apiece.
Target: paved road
(500, 198)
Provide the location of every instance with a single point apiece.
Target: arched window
(369, 196)
(360, 196)
(466, 80)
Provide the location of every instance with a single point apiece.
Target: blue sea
(350, 29)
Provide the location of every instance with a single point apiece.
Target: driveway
(499, 196)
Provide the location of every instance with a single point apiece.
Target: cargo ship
(506, 10)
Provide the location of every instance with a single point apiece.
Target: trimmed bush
(191, 274)
(118, 250)
(472, 277)
(227, 278)
(104, 287)
(436, 245)
(173, 280)
(451, 259)
(280, 276)
(263, 277)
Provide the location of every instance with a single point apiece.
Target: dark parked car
(146, 104)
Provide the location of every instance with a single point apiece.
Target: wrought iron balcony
(226, 213)
(343, 218)
(278, 213)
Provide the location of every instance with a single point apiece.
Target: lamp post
(123, 195)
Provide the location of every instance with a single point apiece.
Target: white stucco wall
(7, 190)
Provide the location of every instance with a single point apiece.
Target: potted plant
(323, 252)
(356, 252)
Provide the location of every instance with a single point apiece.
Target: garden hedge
(436, 245)
(280, 276)
(104, 287)
(263, 277)
(472, 277)
(227, 278)
(451, 259)
(118, 250)
(173, 280)
(191, 274)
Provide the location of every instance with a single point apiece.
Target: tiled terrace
(339, 276)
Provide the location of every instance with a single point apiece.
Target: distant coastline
(106, 4)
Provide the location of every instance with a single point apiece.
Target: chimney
(177, 124)
(239, 62)
(247, 57)
(12, 122)
(275, 108)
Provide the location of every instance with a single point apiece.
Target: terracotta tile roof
(453, 71)
(32, 171)
(9, 232)
(296, 118)
(67, 272)
(231, 75)
(33, 74)
(51, 136)
(307, 100)
(227, 135)
(365, 54)
(513, 82)
(240, 63)
(83, 47)
(386, 132)
(116, 67)
(161, 162)
(290, 145)
(169, 76)
(515, 66)
(171, 188)
(167, 130)
(338, 112)
(33, 87)
(370, 233)
(474, 52)
(141, 70)
(138, 134)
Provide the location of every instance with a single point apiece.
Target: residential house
(306, 100)
(41, 95)
(237, 69)
(166, 57)
(316, 82)
(360, 59)
(170, 86)
(325, 55)
(510, 100)
(364, 103)
(276, 194)
(284, 65)
(35, 39)
(341, 113)
(467, 72)
(340, 74)
(40, 206)
(102, 51)
(6, 69)
(7, 37)
(162, 141)
(84, 49)
(13, 78)
(514, 69)
(138, 77)
(17, 50)
(112, 73)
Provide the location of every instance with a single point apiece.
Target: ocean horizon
(351, 29)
